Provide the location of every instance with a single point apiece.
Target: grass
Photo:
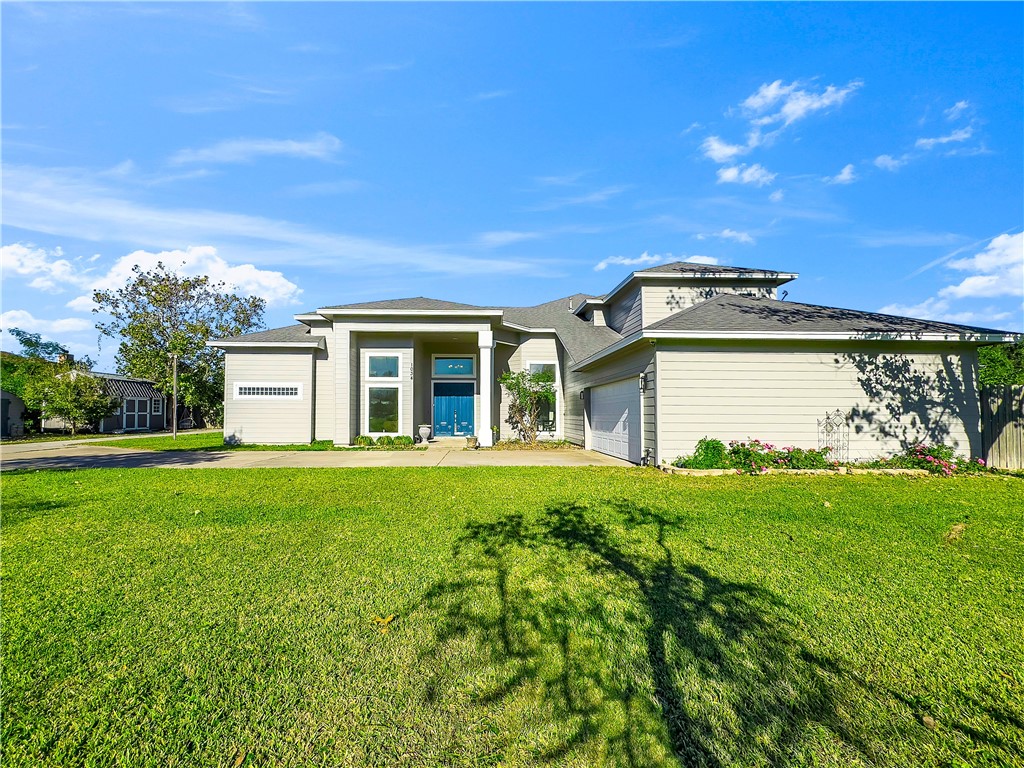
(214, 441)
(567, 617)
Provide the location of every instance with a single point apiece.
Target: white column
(483, 430)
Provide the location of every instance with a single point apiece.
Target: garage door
(615, 419)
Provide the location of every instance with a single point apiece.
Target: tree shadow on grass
(584, 621)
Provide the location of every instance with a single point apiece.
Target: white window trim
(368, 353)
(382, 384)
(157, 407)
(240, 384)
(559, 413)
(453, 376)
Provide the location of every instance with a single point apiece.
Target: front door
(453, 408)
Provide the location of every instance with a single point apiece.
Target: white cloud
(956, 110)
(323, 188)
(723, 152)
(709, 260)
(999, 270)
(20, 318)
(505, 237)
(776, 196)
(322, 146)
(941, 310)
(961, 134)
(592, 198)
(793, 102)
(564, 180)
(729, 234)
(644, 259)
(890, 163)
(743, 174)
(50, 270)
(845, 176)
(69, 203)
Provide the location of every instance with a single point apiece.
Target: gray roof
(418, 302)
(705, 270)
(287, 333)
(730, 312)
(125, 386)
(580, 338)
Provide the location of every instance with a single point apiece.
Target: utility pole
(174, 397)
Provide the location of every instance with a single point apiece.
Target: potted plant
(424, 432)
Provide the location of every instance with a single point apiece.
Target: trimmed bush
(385, 441)
(709, 454)
(939, 459)
(363, 440)
(403, 441)
(754, 457)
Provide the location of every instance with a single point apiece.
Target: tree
(73, 395)
(527, 391)
(160, 313)
(1001, 364)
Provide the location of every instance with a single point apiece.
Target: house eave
(318, 344)
(779, 278)
(328, 312)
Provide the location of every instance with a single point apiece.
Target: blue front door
(453, 408)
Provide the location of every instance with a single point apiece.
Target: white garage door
(615, 419)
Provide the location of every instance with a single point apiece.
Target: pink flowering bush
(937, 458)
(753, 457)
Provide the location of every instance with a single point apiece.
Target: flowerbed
(758, 457)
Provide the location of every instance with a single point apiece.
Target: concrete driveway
(81, 455)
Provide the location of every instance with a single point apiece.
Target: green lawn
(541, 617)
(214, 441)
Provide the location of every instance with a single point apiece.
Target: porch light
(643, 382)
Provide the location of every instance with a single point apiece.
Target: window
(454, 366)
(382, 367)
(383, 410)
(548, 410)
(158, 407)
(254, 390)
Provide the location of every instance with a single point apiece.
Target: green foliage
(562, 617)
(526, 392)
(32, 345)
(363, 440)
(709, 454)
(939, 459)
(385, 441)
(160, 313)
(403, 441)
(753, 457)
(1001, 364)
(36, 359)
(72, 395)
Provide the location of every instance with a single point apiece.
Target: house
(142, 407)
(12, 414)
(669, 355)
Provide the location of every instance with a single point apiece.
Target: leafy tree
(527, 391)
(1001, 364)
(73, 395)
(160, 313)
(33, 346)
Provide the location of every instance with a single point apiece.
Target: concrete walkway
(84, 456)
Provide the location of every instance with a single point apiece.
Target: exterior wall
(624, 316)
(277, 421)
(540, 348)
(661, 300)
(371, 343)
(894, 395)
(628, 364)
(14, 424)
(324, 417)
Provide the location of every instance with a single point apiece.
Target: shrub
(385, 441)
(939, 459)
(709, 454)
(364, 440)
(403, 441)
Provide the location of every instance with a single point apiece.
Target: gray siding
(894, 396)
(628, 364)
(371, 343)
(324, 417)
(541, 348)
(625, 315)
(279, 421)
(661, 301)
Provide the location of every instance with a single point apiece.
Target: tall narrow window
(382, 410)
(546, 415)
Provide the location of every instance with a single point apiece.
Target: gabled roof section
(744, 314)
(580, 338)
(125, 386)
(690, 269)
(290, 336)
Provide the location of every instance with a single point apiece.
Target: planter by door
(453, 408)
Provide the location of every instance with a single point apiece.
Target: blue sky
(326, 153)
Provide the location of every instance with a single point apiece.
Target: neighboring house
(12, 414)
(142, 407)
(670, 355)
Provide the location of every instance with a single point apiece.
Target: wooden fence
(1002, 426)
